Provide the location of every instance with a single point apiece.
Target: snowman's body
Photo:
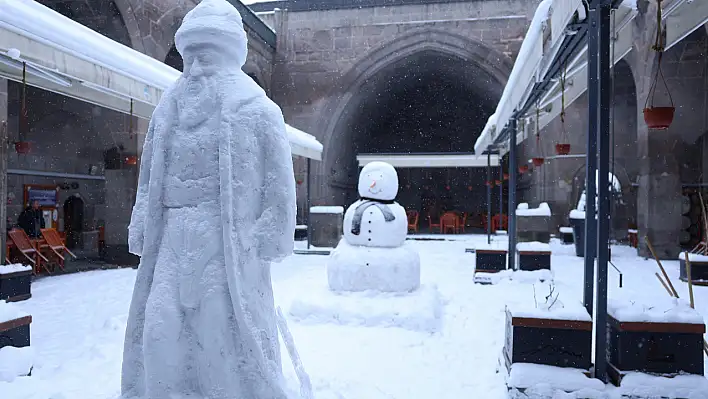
(373, 254)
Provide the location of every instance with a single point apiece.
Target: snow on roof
(40, 23)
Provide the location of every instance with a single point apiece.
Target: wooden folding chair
(28, 250)
(55, 243)
(412, 220)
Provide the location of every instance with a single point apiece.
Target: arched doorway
(73, 220)
(431, 93)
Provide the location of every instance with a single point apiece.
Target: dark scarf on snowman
(361, 208)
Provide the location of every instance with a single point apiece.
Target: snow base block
(353, 268)
(490, 260)
(536, 381)
(420, 310)
(16, 286)
(545, 341)
(534, 260)
(699, 272)
(661, 348)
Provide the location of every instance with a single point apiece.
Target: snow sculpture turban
(217, 23)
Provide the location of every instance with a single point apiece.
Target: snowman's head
(378, 180)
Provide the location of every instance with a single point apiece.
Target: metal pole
(603, 233)
(489, 196)
(307, 205)
(501, 192)
(3, 180)
(591, 165)
(512, 195)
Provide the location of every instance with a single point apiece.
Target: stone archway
(428, 91)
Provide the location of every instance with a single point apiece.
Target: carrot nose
(373, 183)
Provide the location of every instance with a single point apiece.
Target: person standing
(31, 220)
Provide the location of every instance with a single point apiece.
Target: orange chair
(463, 223)
(449, 221)
(56, 245)
(432, 225)
(412, 220)
(29, 250)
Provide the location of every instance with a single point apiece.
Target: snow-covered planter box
(490, 258)
(14, 326)
(664, 338)
(533, 224)
(326, 225)
(699, 268)
(559, 337)
(538, 381)
(15, 282)
(566, 235)
(533, 256)
(300, 232)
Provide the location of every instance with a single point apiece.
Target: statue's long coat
(258, 208)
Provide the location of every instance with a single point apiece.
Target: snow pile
(693, 257)
(660, 311)
(10, 311)
(577, 214)
(14, 268)
(542, 210)
(538, 380)
(417, 311)
(629, 4)
(358, 268)
(15, 362)
(642, 385)
(327, 209)
(520, 276)
(533, 246)
(566, 230)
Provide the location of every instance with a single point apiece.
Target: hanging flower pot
(498, 182)
(469, 188)
(562, 149)
(131, 160)
(659, 118)
(298, 181)
(538, 161)
(447, 188)
(489, 184)
(506, 176)
(523, 169)
(23, 147)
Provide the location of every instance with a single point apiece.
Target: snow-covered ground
(79, 320)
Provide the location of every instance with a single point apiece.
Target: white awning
(65, 57)
(538, 50)
(430, 160)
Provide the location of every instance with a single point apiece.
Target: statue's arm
(274, 230)
(136, 228)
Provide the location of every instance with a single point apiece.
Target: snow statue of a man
(215, 205)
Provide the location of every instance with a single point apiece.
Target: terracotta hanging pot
(489, 184)
(469, 188)
(659, 118)
(23, 147)
(506, 176)
(562, 149)
(131, 160)
(523, 169)
(447, 188)
(299, 182)
(538, 161)
(498, 182)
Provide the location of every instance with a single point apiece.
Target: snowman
(374, 255)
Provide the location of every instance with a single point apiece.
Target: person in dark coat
(31, 220)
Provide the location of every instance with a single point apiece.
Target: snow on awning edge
(304, 144)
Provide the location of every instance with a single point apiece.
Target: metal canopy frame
(432, 160)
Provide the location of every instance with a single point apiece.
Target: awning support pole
(512, 194)
(3, 176)
(489, 196)
(591, 165)
(501, 191)
(308, 205)
(603, 233)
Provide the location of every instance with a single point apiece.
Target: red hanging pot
(562, 149)
(23, 147)
(498, 182)
(469, 188)
(506, 176)
(298, 182)
(490, 183)
(538, 161)
(523, 169)
(131, 160)
(659, 118)
(447, 188)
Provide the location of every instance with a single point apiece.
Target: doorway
(73, 220)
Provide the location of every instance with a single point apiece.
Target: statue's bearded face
(198, 97)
